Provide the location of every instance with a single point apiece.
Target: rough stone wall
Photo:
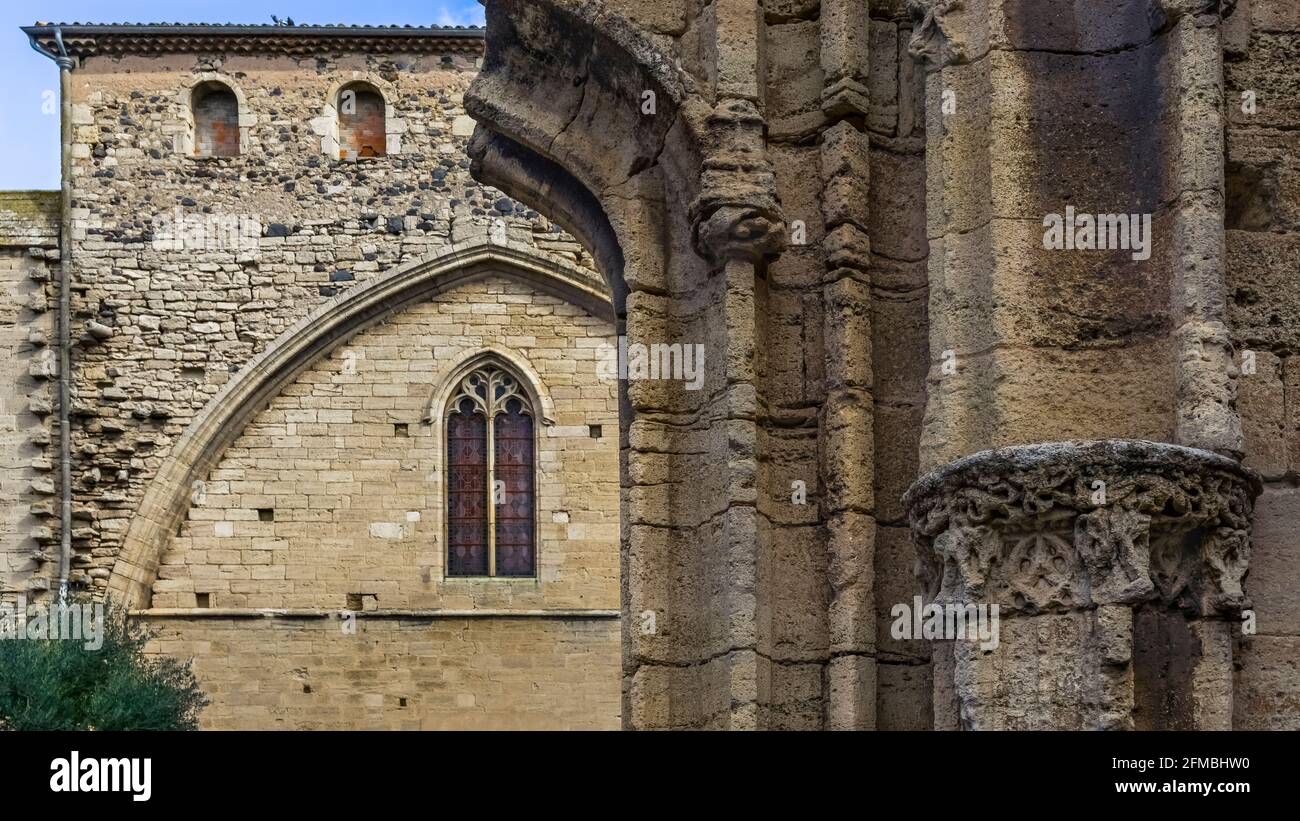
(355, 508)
(185, 319)
(410, 673)
(770, 209)
(185, 313)
(707, 211)
(29, 231)
(1262, 42)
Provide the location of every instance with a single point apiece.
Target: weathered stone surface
(1073, 542)
(1267, 684)
(1271, 583)
(1262, 402)
(399, 674)
(843, 203)
(903, 697)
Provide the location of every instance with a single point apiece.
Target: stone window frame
(542, 409)
(182, 127)
(326, 126)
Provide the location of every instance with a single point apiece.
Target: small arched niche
(358, 120)
(362, 122)
(215, 109)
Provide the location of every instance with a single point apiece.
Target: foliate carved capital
(1070, 525)
(1114, 547)
(933, 34)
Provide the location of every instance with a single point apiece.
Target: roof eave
(75, 36)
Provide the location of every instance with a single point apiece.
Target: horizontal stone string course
(416, 615)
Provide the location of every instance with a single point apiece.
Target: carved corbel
(1098, 552)
(933, 38)
(737, 214)
(739, 232)
(1026, 527)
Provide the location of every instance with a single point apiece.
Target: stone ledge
(307, 613)
(1121, 452)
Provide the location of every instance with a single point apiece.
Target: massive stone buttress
(1118, 563)
(716, 157)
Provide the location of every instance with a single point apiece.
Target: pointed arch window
(491, 524)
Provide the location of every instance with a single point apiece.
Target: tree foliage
(61, 684)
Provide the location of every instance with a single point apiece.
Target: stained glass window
(467, 471)
(491, 470)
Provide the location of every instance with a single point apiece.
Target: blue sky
(29, 138)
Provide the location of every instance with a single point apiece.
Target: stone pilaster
(737, 226)
(847, 423)
(1205, 370)
(1117, 570)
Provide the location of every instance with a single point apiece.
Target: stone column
(1116, 568)
(846, 420)
(737, 239)
(1092, 115)
(1042, 113)
(1205, 372)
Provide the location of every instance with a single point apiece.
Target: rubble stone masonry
(331, 497)
(29, 231)
(906, 392)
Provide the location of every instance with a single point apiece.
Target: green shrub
(60, 684)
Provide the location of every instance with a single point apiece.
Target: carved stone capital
(1071, 525)
(933, 37)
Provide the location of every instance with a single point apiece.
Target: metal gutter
(64, 315)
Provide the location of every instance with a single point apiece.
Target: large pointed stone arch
(641, 132)
(167, 498)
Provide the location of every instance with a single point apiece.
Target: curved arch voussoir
(196, 452)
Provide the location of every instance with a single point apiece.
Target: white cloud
(459, 14)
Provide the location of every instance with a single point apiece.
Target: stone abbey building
(993, 303)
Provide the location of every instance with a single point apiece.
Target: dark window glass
(514, 510)
(467, 468)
